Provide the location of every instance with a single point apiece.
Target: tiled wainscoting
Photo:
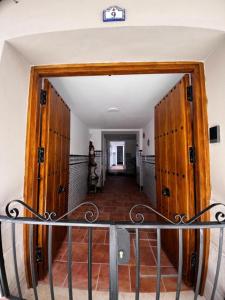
(148, 174)
(78, 170)
(139, 173)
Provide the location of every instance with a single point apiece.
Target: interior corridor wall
(130, 147)
(79, 136)
(78, 163)
(96, 135)
(149, 131)
(130, 156)
(79, 145)
(148, 162)
(96, 138)
(215, 86)
(14, 81)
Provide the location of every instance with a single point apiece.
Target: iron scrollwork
(91, 215)
(138, 217)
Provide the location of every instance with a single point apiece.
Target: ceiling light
(113, 109)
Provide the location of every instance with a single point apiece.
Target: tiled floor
(119, 195)
(118, 167)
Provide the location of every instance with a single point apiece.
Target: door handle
(166, 192)
(61, 189)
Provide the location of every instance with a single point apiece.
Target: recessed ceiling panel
(120, 101)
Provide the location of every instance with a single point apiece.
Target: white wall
(215, 84)
(1, 48)
(79, 131)
(149, 134)
(14, 80)
(79, 136)
(130, 147)
(96, 138)
(29, 16)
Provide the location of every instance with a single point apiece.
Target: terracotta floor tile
(142, 235)
(109, 209)
(100, 253)
(152, 235)
(98, 236)
(104, 217)
(153, 243)
(164, 258)
(117, 217)
(119, 195)
(107, 237)
(80, 252)
(78, 234)
(80, 275)
(147, 284)
(171, 285)
(142, 243)
(61, 253)
(168, 271)
(146, 257)
(123, 278)
(59, 272)
(149, 270)
(123, 209)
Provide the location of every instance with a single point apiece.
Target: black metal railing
(116, 253)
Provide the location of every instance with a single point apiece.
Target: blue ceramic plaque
(114, 14)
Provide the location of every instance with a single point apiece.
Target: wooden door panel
(173, 138)
(162, 154)
(171, 235)
(157, 160)
(55, 169)
(172, 184)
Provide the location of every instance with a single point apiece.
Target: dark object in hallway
(120, 155)
(92, 166)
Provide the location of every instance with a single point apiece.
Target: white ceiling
(135, 95)
(120, 136)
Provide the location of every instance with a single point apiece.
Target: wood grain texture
(54, 172)
(200, 131)
(173, 139)
(115, 68)
(202, 166)
(31, 162)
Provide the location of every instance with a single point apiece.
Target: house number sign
(114, 14)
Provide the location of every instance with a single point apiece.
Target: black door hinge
(38, 255)
(41, 155)
(190, 93)
(192, 157)
(43, 97)
(194, 258)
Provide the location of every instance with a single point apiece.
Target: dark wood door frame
(200, 125)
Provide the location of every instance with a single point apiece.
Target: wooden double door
(175, 169)
(53, 168)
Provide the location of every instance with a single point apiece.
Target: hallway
(119, 195)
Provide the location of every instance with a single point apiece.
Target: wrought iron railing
(137, 222)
